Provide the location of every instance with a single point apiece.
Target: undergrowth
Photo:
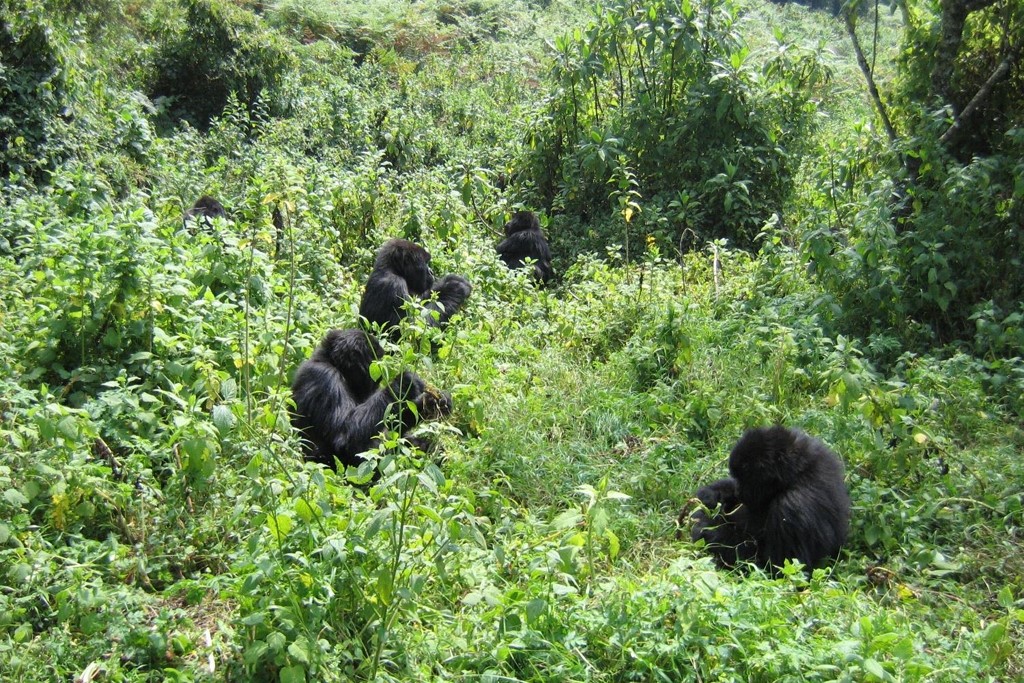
(157, 521)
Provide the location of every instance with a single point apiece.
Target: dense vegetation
(759, 213)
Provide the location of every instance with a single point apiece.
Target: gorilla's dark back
(523, 240)
(792, 486)
(329, 386)
(401, 271)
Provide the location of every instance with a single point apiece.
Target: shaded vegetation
(665, 101)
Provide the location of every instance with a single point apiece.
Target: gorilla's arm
(339, 426)
(510, 251)
(452, 292)
(723, 523)
(724, 492)
(357, 430)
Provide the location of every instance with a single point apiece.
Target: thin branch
(869, 77)
(1001, 71)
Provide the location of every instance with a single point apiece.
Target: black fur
(524, 239)
(787, 496)
(722, 524)
(204, 211)
(401, 272)
(340, 410)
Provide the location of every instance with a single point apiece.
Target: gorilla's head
(205, 207)
(522, 220)
(766, 461)
(408, 260)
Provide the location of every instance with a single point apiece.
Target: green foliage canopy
(668, 90)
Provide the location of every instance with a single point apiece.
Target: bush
(33, 88)
(668, 92)
(220, 50)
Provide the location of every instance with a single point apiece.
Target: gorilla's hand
(454, 288)
(433, 404)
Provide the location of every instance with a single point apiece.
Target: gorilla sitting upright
(785, 499)
(340, 410)
(401, 272)
(524, 239)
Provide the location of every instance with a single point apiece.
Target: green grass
(542, 545)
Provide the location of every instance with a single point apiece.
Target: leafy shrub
(668, 91)
(157, 520)
(33, 88)
(221, 49)
(932, 208)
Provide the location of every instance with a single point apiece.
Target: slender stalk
(246, 369)
(870, 79)
(392, 609)
(290, 236)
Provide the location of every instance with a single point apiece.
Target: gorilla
(204, 210)
(340, 409)
(523, 239)
(401, 272)
(785, 499)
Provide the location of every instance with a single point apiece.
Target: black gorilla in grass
(523, 239)
(340, 409)
(204, 211)
(401, 272)
(785, 499)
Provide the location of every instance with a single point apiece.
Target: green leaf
(429, 513)
(23, 633)
(304, 510)
(254, 619)
(567, 519)
(579, 539)
(875, 669)
(280, 525)
(223, 418)
(385, 585)
(613, 543)
(534, 608)
(994, 633)
(276, 641)
(15, 498)
(299, 651)
(376, 371)
(68, 427)
(293, 674)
